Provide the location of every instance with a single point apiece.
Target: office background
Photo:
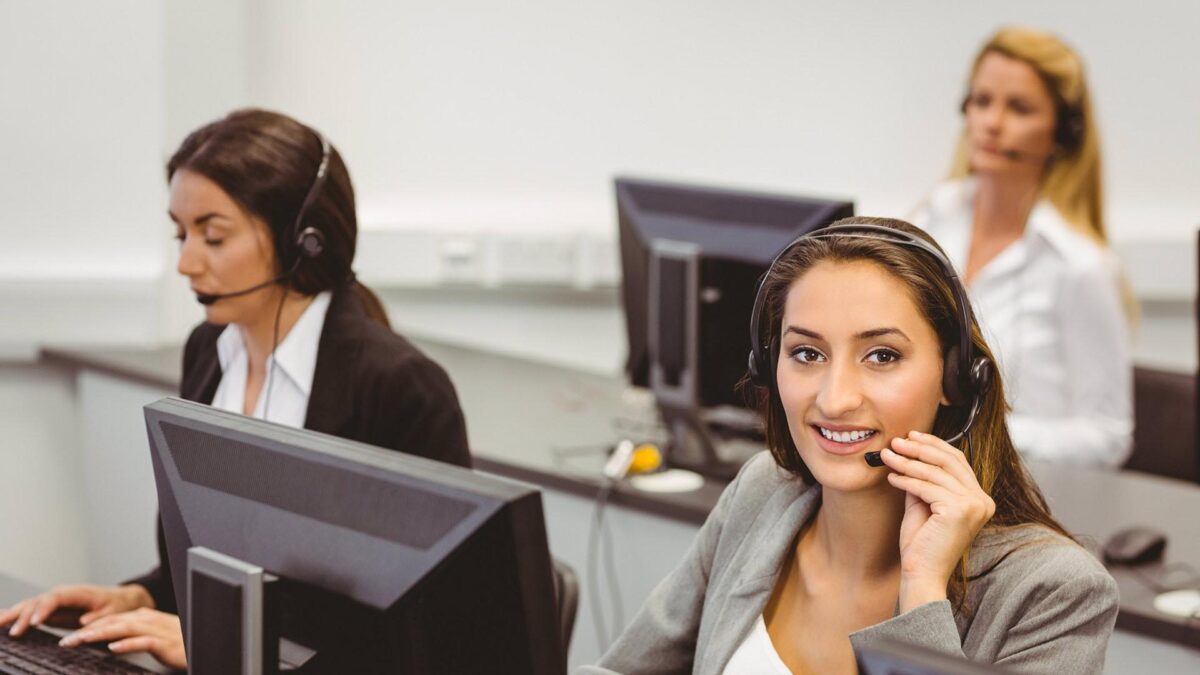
(482, 138)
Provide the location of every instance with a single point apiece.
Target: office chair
(566, 591)
(1164, 433)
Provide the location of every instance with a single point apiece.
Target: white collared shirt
(290, 369)
(1050, 309)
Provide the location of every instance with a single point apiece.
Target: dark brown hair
(995, 460)
(267, 163)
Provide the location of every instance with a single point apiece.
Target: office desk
(548, 425)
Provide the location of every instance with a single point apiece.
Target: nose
(840, 392)
(191, 259)
(992, 117)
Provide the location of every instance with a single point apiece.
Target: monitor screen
(386, 562)
(696, 253)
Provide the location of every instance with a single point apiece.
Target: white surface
(671, 480)
(42, 530)
(514, 116)
(1185, 603)
(119, 500)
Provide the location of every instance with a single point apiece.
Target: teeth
(846, 436)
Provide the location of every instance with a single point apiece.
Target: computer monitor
(386, 562)
(691, 258)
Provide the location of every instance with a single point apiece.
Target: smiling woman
(813, 550)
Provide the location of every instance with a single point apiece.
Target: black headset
(965, 375)
(310, 242)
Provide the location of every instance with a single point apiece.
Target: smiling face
(1009, 110)
(222, 248)
(858, 366)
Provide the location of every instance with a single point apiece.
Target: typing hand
(944, 509)
(142, 630)
(96, 601)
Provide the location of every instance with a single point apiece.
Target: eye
(980, 100)
(806, 355)
(214, 242)
(1020, 107)
(883, 356)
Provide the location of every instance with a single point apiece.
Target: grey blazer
(1045, 607)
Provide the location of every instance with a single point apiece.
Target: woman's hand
(96, 601)
(142, 630)
(944, 509)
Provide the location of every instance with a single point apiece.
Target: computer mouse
(1137, 545)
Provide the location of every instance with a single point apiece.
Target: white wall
(483, 136)
(517, 114)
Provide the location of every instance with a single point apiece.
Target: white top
(294, 363)
(756, 655)
(1050, 308)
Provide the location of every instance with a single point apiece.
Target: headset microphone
(208, 299)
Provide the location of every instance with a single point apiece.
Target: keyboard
(37, 653)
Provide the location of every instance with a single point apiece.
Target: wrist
(919, 591)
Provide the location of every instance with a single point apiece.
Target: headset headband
(760, 351)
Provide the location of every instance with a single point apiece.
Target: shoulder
(1080, 254)
(392, 363)
(761, 488)
(1035, 561)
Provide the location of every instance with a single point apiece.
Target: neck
(259, 333)
(1003, 202)
(858, 533)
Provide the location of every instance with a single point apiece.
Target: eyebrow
(864, 335)
(201, 220)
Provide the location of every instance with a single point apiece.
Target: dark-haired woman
(264, 212)
(813, 550)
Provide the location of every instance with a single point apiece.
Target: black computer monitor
(691, 258)
(386, 562)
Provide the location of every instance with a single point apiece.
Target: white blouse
(1050, 309)
(756, 655)
(291, 368)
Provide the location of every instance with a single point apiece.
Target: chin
(846, 473)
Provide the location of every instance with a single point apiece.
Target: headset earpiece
(1068, 132)
(310, 242)
(952, 381)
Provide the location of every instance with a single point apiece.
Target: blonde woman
(1022, 220)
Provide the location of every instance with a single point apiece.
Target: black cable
(275, 343)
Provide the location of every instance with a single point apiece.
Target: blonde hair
(1072, 180)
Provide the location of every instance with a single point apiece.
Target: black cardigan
(369, 385)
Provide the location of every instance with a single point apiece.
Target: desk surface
(550, 425)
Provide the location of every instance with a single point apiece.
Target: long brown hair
(267, 162)
(995, 460)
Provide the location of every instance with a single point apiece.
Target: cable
(593, 590)
(287, 284)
